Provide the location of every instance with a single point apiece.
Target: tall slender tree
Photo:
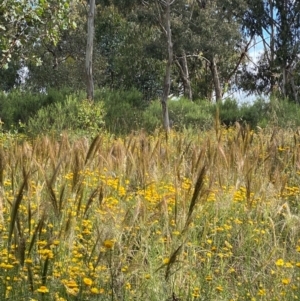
(164, 12)
(277, 23)
(89, 50)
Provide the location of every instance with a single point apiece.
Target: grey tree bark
(165, 23)
(182, 65)
(89, 51)
(216, 79)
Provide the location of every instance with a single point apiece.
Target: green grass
(198, 216)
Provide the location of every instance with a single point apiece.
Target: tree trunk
(185, 77)
(284, 82)
(215, 75)
(89, 51)
(167, 80)
(272, 49)
(295, 90)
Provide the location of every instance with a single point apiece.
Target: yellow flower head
(43, 289)
(87, 281)
(94, 290)
(279, 262)
(108, 243)
(285, 281)
(166, 260)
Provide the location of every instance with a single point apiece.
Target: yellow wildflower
(94, 290)
(108, 243)
(43, 289)
(87, 281)
(285, 281)
(166, 260)
(279, 262)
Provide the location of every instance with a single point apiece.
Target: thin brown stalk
(77, 167)
(37, 230)
(91, 199)
(172, 260)
(197, 193)
(30, 278)
(92, 149)
(15, 208)
(2, 165)
(53, 198)
(61, 197)
(45, 271)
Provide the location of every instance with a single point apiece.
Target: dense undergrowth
(192, 216)
(121, 112)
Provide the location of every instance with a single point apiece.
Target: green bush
(79, 116)
(256, 114)
(182, 114)
(19, 106)
(229, 111)
(274, 112)
(123, 109)
(284, 113)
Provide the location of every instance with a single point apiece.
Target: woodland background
(43, 54)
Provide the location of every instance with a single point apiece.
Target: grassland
(191, 216)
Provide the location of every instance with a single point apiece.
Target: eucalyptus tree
(208, 46)
(66, 61)
(277, 24)
(164, 18)
(89, 50)
(23, 23)
(126, 42)
(10, 76)
(62, 64)
(222, 46)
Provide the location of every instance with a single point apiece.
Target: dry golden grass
(196, 216)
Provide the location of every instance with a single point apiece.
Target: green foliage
(79, 116)
(283, 113)
(9, 77)
(256, 114)
(230, 111)
(182, 113)
(262, 113)
(122, 44)
(126, 111)
(123, 109)
(152, 116)
(18, 106)
(24, 22)
(90, 116)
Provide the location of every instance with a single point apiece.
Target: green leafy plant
(79, 116)
(182, 113)
(123, 109)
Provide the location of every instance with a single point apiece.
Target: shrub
(229, 111)
(256, 114)
(19, 106)
(182, 113)
(284, 113)
(80, 116)
(123, 109)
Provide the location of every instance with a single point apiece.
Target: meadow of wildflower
(189, 216)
